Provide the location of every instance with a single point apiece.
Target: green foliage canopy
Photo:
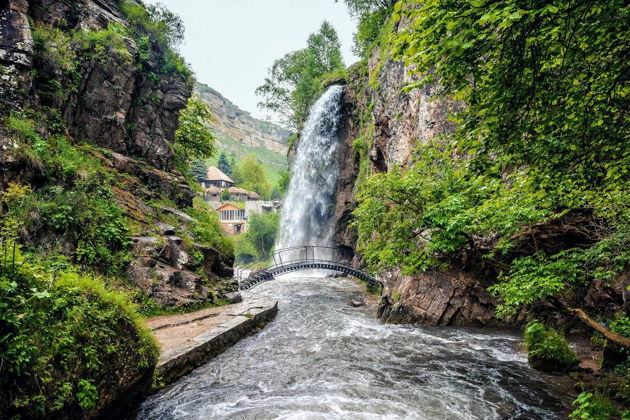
(251, 175)
(194, 138)
(372, 14)
(545, 85)
(543, 129)
(224, 164)
(293, 83)
(257, 243)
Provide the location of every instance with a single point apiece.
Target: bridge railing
(310, 253)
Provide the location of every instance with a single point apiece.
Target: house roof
(235, 190)
(253, 195)
(228, 206)
(215, 174)
(213, 190)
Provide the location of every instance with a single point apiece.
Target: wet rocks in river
(357, 302)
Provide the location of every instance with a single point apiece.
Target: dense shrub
(594, 406)
(66, 341)
(63, 337)
(206, 229)
(59, 56)
(157, 27)
(546, 349)
(74, 211)
(257, 243)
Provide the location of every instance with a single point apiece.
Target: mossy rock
(548, 350)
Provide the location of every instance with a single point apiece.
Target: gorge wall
(90, 99)
(401, 121)
(382, 127)
(124, 100)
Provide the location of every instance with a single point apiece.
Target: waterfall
(310, 202)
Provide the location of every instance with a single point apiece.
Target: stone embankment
(190, 340)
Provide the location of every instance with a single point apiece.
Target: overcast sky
(231, 43)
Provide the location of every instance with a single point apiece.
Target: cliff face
(111, 103)
(240, 125)
(382, 127)
(88, 112)
(122, 102)
(389, 123)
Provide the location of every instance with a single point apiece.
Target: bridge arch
(307, 257)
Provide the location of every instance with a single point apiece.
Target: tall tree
(294, 84)
(199, 170)
(194, 138)
(224, 164)
(251, 175)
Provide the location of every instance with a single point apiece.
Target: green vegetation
(538, 137)
(546, 349)
(193, 139)
(226, 166)
(595, 406)
(61, 331)
(157, 27)
(198, 169)
(206, 229)
(251, 175)
(294, 82)
(70, 340)
(59, 55)
(273, 162)
(372, 15)
(283, 183)
(257, 243)
(75, 205)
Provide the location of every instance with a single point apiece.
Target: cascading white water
(310, 202)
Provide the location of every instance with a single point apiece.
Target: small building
(232, 219)
(212, 194)
(238, 194)
(259, 207)
(252, 196)
(216, 178)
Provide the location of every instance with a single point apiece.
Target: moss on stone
(547, 349)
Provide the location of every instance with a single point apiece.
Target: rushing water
(310, 200)
(322, 358)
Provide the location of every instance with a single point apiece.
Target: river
(321, 358)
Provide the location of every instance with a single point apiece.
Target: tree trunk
(608, 335)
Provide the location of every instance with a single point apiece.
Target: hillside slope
(239, 133)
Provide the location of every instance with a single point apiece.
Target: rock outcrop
(232, 121)
(401, 121)
(69, 69)
(451, 298)
(114, 105)
(383, 124)
(126, 103)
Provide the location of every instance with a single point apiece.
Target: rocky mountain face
(382, 126)
(67, 73)
(113, 105)
(240, 125)
(402, 121)
(121, 105)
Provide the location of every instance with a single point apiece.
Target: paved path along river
(321, 358)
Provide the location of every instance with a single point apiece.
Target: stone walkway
(190, 340)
